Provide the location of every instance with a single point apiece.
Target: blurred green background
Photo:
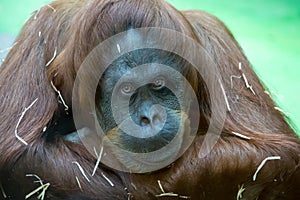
(268, 31)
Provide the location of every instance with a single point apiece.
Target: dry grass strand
(239, 194)
(263, 163)
(19, 121)
(51, 7)
(42, 188)
(78, 183)
(241, 135)
(98, 160)
(248, 86)
(2, 191)
(60, 96)
(82, 171)
(107, 179)
(169, 194)
(225, 96)
(8, 48)
(160, 186)
(53, 57)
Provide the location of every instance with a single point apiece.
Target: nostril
(145, 121)
(157, 119)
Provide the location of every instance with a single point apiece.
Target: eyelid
(160, 78)
(123, 85)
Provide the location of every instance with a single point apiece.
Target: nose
(151, 120)
(154, 117)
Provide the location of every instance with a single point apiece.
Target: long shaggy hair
(50, 49)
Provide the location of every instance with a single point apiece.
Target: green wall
(268, 31)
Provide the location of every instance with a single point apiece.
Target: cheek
(105, 115)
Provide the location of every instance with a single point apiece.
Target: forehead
(144, 64)
(147, 62)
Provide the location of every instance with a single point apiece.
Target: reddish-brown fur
(74, 29)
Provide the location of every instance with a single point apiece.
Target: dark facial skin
(143, 99)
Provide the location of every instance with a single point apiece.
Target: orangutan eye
(158, 83)
(127, 88)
